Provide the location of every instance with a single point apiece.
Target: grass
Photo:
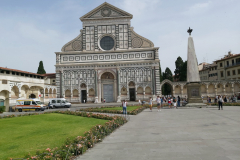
(22, 135)
(129, 108)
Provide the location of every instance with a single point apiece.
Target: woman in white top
(139, 102)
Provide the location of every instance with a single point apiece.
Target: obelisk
(193, 79)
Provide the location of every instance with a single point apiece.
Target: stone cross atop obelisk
(192, 64)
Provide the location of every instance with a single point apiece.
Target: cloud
(198, 8)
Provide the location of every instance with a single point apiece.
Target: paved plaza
(174, 134)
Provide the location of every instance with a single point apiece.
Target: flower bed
(78, 145)
(224, 104)
(114, 111)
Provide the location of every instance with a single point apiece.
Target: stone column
(127, 85)
(153, 81)
(173, 90)
(99, 91)
(232, 88)
(71, 87)
(215, 86)
(118, 86)
(207, 89)
(96, 86)
(181, 91)
(224, 89)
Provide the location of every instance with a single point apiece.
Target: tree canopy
(41, 69)
(183, 71)
(178, 63)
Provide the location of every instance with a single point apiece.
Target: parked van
(59, 102)
(29, 104)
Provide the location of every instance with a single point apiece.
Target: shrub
(2, 109)
(102, 110)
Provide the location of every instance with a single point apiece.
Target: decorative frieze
(108, 57)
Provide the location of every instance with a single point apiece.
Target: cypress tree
(178, 63)
(41, 69)
(160, 73)
(183, 75)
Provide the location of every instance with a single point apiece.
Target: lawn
(129, 108)
(22, 135)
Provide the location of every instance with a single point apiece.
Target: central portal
(108, 87)
(108, 92)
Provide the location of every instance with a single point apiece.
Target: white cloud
(198, 8)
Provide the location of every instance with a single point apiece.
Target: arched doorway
(131, 86)
(32, 96)
(166, 87)
(83, 93)
(107, 80)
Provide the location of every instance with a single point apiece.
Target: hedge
(101, 110)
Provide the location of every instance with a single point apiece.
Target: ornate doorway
(108, 87)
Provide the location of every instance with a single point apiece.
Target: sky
(32, 31)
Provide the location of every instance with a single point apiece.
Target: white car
(59, 102)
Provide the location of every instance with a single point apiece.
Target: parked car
(29, 104)
(59, 102)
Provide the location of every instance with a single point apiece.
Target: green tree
(178, 63)
(166, 88)
(160, 73)
(183, 71)
(41, 69)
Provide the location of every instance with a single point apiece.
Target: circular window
(107, 43)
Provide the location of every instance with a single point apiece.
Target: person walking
(124, 105)
(169, 103)
(158, 100)
(220, 102)
(178, 101)
(174, 102)
(161, 101)
(150, 103)
(139, 102)
(225, 99)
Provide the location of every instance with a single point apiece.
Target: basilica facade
(107, 60)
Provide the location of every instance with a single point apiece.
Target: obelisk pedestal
(193, 79)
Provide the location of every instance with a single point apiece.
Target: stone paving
(174, 134)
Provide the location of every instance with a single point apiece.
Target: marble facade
(88, 72)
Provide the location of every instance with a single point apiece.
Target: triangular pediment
(106, 11)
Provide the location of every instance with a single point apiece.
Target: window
(238, 71)
(13, 73)
(221, 73)
(53, 80)
(17, 73)
(228, 73)
(27, 102)
(107, 43)
(2, 71)
(220, 64)
(237, 60)
(58, 101)
(53, 101)
(7, 72)
(233, 62)
(233, 72)
(227, 63)
(34, 102)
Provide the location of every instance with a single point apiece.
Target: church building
(107, 60)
